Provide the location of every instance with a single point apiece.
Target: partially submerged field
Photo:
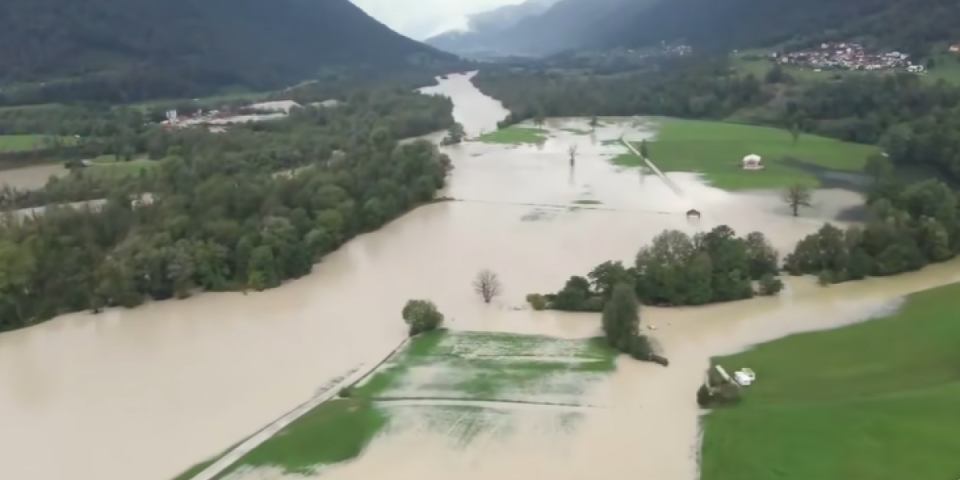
(516, 135)
(716, 150)
(876, 400)
(459, 384)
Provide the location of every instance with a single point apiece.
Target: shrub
(770, 285)
(537, 301)
(422, 316)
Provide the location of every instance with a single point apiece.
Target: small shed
(752, 162)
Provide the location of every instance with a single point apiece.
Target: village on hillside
(846, 56)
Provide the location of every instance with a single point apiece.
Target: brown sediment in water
(146, 393)
(30, 178)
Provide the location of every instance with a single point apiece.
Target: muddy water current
(145, 393)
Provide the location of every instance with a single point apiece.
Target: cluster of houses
(664, 50)
(847, 56)
(218, 120)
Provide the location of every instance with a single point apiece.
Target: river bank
(148, 392)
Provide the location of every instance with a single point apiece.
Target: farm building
(752, 162)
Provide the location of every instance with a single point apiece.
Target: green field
(876, 401)
(451, 366)
(515, 135)
(716, 150)
(109, 166)
(20, 143)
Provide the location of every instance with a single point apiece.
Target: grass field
(716, 150)
(19, 143)
(108, 165)
(876, 401)
(442, 365)
(515, 135)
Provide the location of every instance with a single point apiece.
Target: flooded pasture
(146, 393)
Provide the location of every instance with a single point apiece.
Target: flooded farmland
(146, 393)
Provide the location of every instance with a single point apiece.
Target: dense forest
(214, 213)
(914, 26)
(130, 50)
(677, 269)
(908, 227)
(915, 121)
(910, 25)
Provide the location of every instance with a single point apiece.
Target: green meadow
(109, 166)
(515, 135)
(20, 143)
(716, 150)
(443, 366)
(876, 400)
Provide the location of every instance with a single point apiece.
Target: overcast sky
(421, 19)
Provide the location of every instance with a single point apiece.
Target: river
(145, 393)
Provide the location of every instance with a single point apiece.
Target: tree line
(309, 134)
(677, 269)
(218, 215)
(908, 227)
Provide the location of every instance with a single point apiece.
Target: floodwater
(146, 393)
(30, 178)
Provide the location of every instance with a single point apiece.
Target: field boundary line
(235, 454)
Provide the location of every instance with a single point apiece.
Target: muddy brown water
(146, 393)
(30, 178)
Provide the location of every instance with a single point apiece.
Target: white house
(752, 162)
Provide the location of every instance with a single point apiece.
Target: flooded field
(146, 393)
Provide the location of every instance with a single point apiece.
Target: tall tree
(621, 318)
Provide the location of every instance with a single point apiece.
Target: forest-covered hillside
(128, 50)
(912, 25)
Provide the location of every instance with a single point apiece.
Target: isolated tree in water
(455, 134)
(594, 122)
(487, 285)
(621, 318)
(797, 196)
(572, 151)
(421, 316)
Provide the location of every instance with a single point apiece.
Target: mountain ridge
(142, 48)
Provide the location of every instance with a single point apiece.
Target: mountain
(483, 28)
(126, 50)
(569, 24)
(912, 25)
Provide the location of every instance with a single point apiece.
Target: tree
(878, 166)
(798, 195)
(644, 151)
(572, 151)
(455, 134)
(539, 117)
(621, 318)
(594, 122)
(795, 132)
(487, 285)
(770, 285)
(421, 316)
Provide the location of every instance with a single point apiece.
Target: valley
(203, 373)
